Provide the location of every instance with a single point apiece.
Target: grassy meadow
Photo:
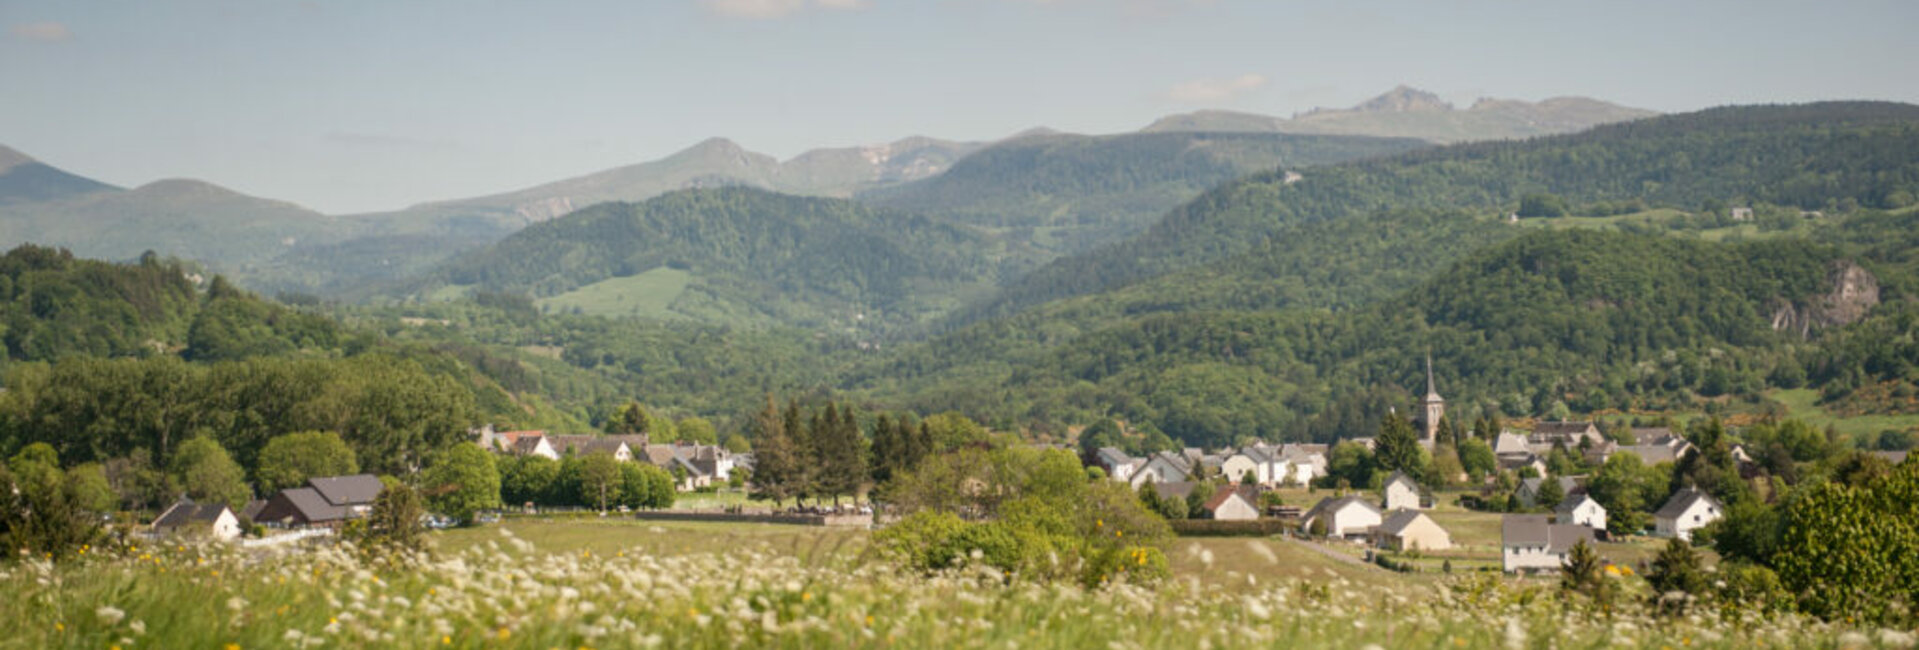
(650, 294)
(614, 583)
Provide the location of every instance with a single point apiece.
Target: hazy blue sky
(352, 106)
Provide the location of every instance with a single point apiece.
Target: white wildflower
(109, 615)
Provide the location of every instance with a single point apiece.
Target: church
(1431, 410)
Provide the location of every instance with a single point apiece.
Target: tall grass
(504, 592)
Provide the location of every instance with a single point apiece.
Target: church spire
(1432, 390)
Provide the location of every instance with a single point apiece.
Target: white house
(1582, 510)
(1231, 503)
(1345, 516)
(1119, 466)
(1400, 492)
(1532, 543)
(185, 517)
(1407, 530)
(1163, 467)
(1687, 510)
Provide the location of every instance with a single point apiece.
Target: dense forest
(1071, 192)
(1833, 157)
(755, 257)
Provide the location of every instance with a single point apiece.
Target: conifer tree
(1397, 447)
(886, 449)
(775, 456)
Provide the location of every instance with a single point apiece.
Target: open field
(1803, 404)
(650, 294)
(593, 583)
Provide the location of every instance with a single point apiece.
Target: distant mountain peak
(11, 158)
(1034, 132)
(1403, 99)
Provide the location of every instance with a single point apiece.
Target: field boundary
(751, 518)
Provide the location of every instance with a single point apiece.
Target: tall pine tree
(775, 456)
(1397, 447)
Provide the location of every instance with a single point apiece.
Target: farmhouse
(1582, 510)
(1232, 503)
(326, 501)
(697, 466)
(1570, 434)
(1163, 467)
(215, 520)
(1347, 516)
(1686, 511)
(1118, 465)
(1401, 492)
(1409, 530)
(621, 446)
(1532, 543)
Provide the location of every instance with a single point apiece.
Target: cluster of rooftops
(697, 465)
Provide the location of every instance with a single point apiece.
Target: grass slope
(648, 295)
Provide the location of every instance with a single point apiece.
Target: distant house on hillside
(1407, 530)
(1742, 214)
(1118, 465)
(1532, 543)
(1687, 510)
(697, 466)
(620, 447)
(1347, 516)
(325, 501)
(1570, 434)
(1232, 503)
(1163, 467)
(1401, 492)
(185, 517)
(1581, 509)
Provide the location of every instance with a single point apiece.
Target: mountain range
(276, 246)
(1411, 113)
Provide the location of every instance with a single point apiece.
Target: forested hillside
(127, 361)
(747, 256)
(1072, 192)
(1829, 156)
(1547, 323)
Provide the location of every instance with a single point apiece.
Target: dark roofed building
(325, 501)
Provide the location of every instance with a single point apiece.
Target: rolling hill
(747, 257)
(1814, 157)
(1072, 192)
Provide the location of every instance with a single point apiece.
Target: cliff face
(1853, 292)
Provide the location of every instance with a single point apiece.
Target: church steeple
(1432, 409)
(1432, 391)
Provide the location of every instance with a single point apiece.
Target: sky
(364, 106)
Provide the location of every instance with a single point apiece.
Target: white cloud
(772, 9)
(47, 32)
(1203, 91)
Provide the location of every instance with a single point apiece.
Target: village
(1521, 517)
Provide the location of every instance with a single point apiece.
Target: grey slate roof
(1567, 504)
(1334, 504)
(1396, 522)
(1567, 485)
(186, 511)
(307, 503)
(355, 490)
(1397, 477)
(1536, 530)
(1112, 457)
(1684, 499)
